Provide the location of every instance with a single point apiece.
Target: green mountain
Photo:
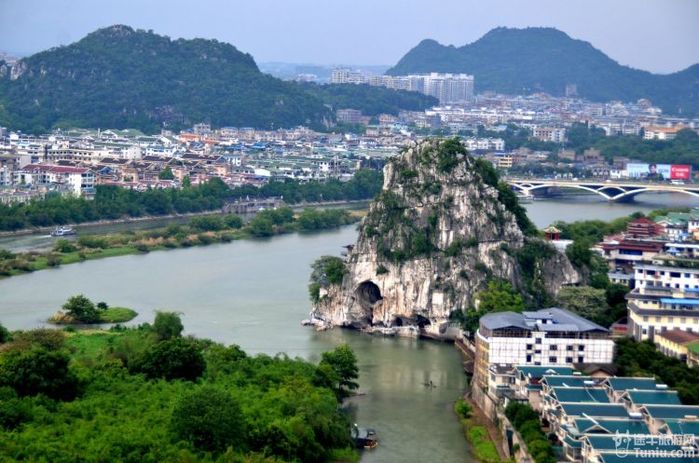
(120, 77)
(522, 61)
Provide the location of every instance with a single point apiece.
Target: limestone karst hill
(442, 227)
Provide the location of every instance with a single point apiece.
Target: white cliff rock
(436, 234)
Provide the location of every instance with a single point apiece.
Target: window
(553, 347)
(581, 359)
(581, 348)
(530, 346)
(538, 351)
(569, 359)
(529, 358)
(553, 359)
(569, 347)
(537, 340)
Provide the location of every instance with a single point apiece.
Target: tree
(588, 302)
(342, 362)
(209, 418)
(500, 296)
(261, 226)
(186, 182)
(38, 371)
(82, 309)
(175, 358)
(4, 334)
(166, 174)
(167, 325)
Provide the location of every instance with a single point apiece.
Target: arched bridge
(610, 190)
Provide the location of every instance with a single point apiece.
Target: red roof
(57, 169)
(679, 336)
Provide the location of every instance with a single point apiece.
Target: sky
(654, 35)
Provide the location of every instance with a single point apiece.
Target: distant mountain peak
(545, 59)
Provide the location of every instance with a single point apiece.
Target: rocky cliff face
(439, 230)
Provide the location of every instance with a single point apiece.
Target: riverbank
(157, 218)
(200, 231)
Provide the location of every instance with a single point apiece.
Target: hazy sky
(656, 35)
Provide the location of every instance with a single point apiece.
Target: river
(253, 293)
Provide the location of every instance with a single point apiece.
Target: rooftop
(551, 319)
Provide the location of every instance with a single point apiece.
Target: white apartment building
(664, 298)
(78, 180)
(545, 337)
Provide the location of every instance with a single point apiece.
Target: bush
(13, 411)
(4, 334)
(463, 409)
(209, 418)
(93, 242)
(39, 371)
(64, 246)
(175, 358)
(233, 221)
(52, 260)
(82, 309)
(381, 269)
(167, 325)
(207, 223)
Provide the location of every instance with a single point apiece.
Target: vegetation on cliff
(136, 395)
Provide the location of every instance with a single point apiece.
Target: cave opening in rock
(423, 321)
(368, 293)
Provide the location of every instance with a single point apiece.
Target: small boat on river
(364, 438)
(62, 231)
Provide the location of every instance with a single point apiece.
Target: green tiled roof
(654, 397)
(580, 394)
(613, 458)
(570, 381)
(594, 409)
(537, 371)
(611, 442)
(678, 427)
(622, 384)
(585, 425)
(677, 412)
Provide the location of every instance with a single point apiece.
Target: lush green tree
(261, 226)
(4, 334)
(209, 418)
(166, 174)
(233, 221)
(343, 364)
(207, 223)
(500, 296)
(38, 371)
(588, 302)
(82, 309)
(175, 358)
(643, 359)
(167, 325)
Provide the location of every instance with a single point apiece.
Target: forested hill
(521, 61)
(120, 77)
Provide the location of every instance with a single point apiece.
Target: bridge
(617, 191)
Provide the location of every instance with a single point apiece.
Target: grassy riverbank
(199, 231)
(484, 449)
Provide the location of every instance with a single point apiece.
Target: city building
(664, 298)
(553, 336)
(552, 134)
